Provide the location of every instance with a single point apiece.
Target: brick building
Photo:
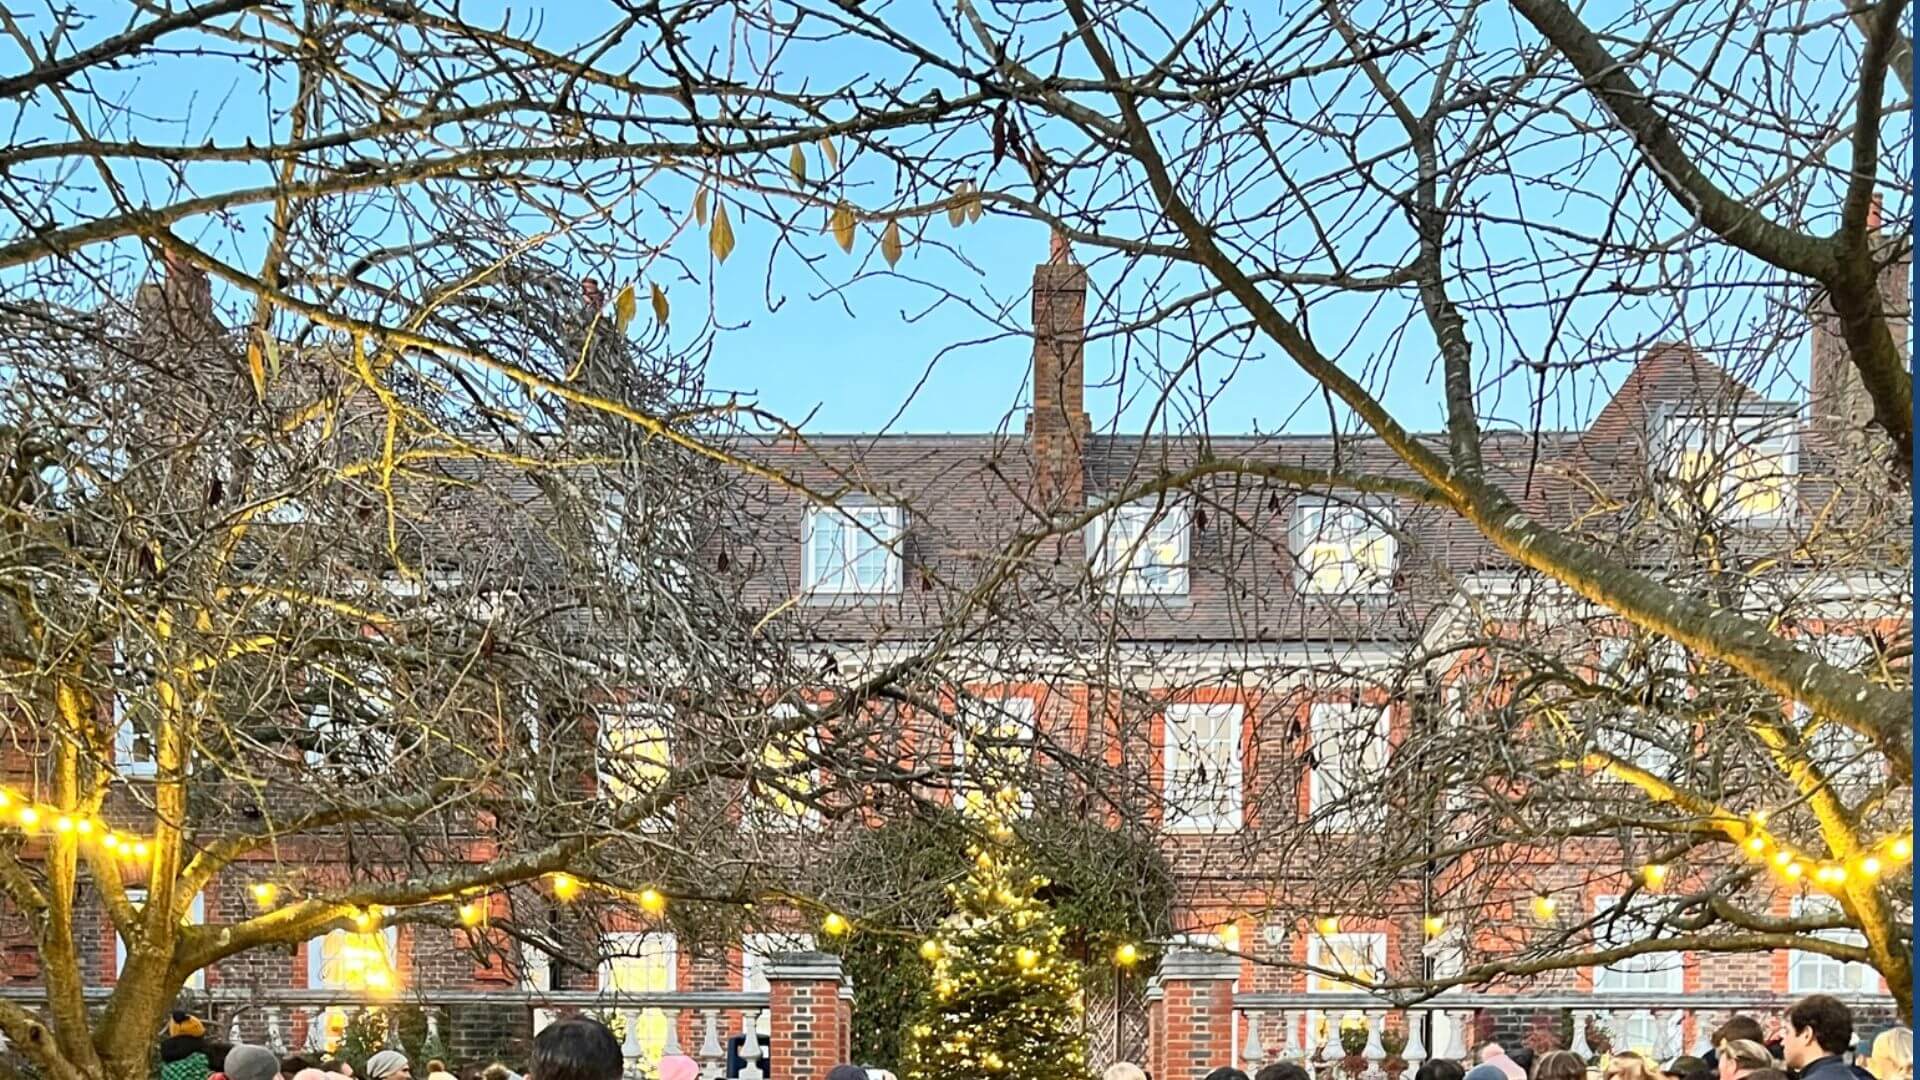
(1234, 654)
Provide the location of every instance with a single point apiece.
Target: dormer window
(852, 550)
(1344, 548)
(1730, 468)
(1140, 549)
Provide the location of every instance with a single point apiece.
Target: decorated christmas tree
(1005, 1001)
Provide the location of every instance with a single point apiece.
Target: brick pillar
(1057, 428)
(811, 1032)
(1190, 1015)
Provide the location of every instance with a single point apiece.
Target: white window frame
(1652, 973)
(1817, 973)
(1183, 809)
(857, 524)
(126, 738)
(755, 951)
(196, 914)
(1013, 717)
(319, 718)
(638, 944)
(1372, 942)
(639, 718)
(1143, 548)
(1610, 658)
(1772, 434)
(1364, 522)
(1332, 724)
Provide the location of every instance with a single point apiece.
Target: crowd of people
(1815, 1042)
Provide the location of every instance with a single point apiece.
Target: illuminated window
(1350, 962)
(1818, 973)
(641, 963)
(852, 550)
(789, 781)
(1343, 547)
(1731, 468)
(1141, 549)
(1203, 766)
(1350, 748)
(633, 750)
(196, 914)
(993, 749)
(365, 963)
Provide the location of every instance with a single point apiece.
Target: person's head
(846, 1072)
(1891, 1057)
(1739, 1057)
(576, 1048)
(1226, 1072)
(389, 1065)
(308, 1073)
(436, 1065)
(1628, 1065)
(1739, 1027)
(1687, 1067)
(1766, 1074)
(1817, 1026)
(1124, 1070)
(1286, 1070)
(1486, 1071)
(679, 1067)
(1437, 1069)
(496, 1071)
(1559, 1065)
(245, 1062)
(183, 1024)
(1492, 1052)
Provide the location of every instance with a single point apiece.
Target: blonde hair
(1629, 1065)
(1892, 1055)
(1747, 1054)
(1124, 1070)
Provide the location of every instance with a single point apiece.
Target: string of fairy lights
(1869, 862)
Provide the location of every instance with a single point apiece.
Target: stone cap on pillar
(1191, 965)
(803, 967)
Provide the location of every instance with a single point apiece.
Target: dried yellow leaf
(659, 304)
(623, 308)
(700, 207)
(797, 164)
(827, 151)
(257, 368)
(890, 243)
(720, 239)
(842, 225)
(975, 205)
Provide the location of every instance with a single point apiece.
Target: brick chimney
(1057, 427)
(1840, 406)
(177, 309)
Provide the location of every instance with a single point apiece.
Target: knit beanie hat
(385, 1064)
(679, 1067)
(251, 1063)
(184, 1024)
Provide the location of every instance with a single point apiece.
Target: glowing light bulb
(63, 824)
(1127, 955)
(6, 798)
(1026, 957)
(1435, 926)
(834, 924)
(1230, 936)
(29, 817)
(1830, 874)
(141, 849)
(1782, 858)
(929, 950)
(1655, 875)
(565, 886)
(1327, 925)
(1795, 871)
(1756, 843)
(264, 893)
(652, 901)
(84, 827)
(1545, 907)
(470, 914)
(1870, 866)
(1901, 849)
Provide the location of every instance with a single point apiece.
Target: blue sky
(883, 350)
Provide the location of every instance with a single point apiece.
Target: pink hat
(679, 1067)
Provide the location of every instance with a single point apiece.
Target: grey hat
(246, 1062)
(1485, 1072)
(383, 1064)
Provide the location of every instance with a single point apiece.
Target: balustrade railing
(289, 1021)
(1282, 1026)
